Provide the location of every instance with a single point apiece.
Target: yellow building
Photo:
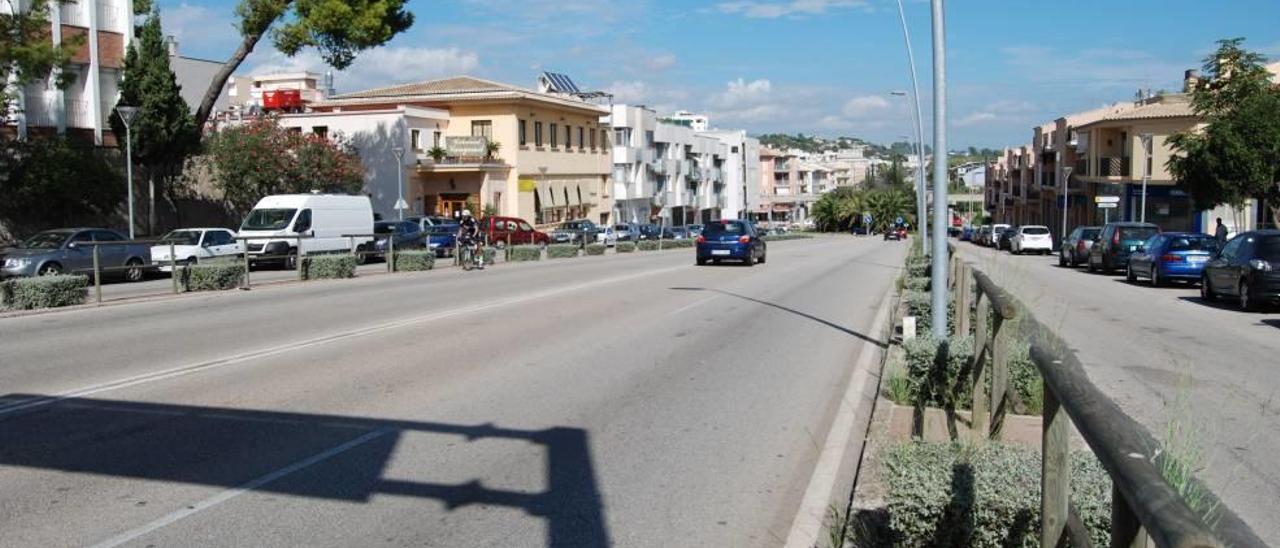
(552, 161)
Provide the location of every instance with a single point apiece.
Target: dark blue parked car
(730, 240)
(1171, 256)
(441, 233)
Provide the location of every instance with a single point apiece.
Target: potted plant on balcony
(491, 149)
(437, 154)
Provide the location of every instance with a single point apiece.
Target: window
(581, 144)
(621, 137)
(537, 134)
(568, 137)
(523, 136)
(1229, 252)
(593, 139)
(555, 135)
(303, 223)
(648, 138)
(735, 150)
(525, 227)
(322, 131)
(603, 138)
(106, 236)
(415, 139)
(482, 128)
(435, 139)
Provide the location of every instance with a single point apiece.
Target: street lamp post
(940, 160)
(127, 114)
(922, 208)
(1146, 172)
(1066, 199)
(400, 203)
(921, 205)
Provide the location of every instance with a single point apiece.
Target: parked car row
(1246, 268)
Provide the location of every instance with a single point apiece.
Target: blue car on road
(1171, 256)
(731, 240)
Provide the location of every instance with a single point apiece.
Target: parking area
(1164, 354)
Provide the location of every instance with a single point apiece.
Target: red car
(501, 230)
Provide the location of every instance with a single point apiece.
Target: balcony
(1113, 166)
(781, 167)
(625, 155)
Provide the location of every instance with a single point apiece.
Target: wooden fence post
(981, 344)
(963, 302)
(1126, 530)
(999, 373)
(1055, 472)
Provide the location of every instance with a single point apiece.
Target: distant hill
(814, 144)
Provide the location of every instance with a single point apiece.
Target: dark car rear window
(1269, 248)
(732, 227)
(1035, 230)
(1131, 233)
(1090, 233)
(1184, 243)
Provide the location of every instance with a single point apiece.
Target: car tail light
(1080, 246)
(702, 240)
(1115, 238)
(744, 239)
(1172, 258)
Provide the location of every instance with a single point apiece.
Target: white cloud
(861, 107)
(629, 93)
(741, 93)
(379, 66)
(661, 62)
(774, 10)
(200, 30)
(976, 118)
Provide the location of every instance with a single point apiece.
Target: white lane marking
(229, 494)
(692, 305)
(281, 349)
(806, 528)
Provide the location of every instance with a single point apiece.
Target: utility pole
(1146, 172)
(922, 210)
(940, 161)
(126, 115)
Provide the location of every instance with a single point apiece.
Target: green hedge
(625, 247)
(562, 251)
(647, 245)
(415, 261)
(920, 305)
(677, 244)
(988, 495)
(490, 254)
(916, 283)
(44, 292)
(936, 378)
(785, 237)
(320, 267)
(211, 276)
(596, 249)
(919, 266)
(525, 253)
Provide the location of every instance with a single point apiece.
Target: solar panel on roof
(560, 82)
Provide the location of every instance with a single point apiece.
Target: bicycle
(471, 256)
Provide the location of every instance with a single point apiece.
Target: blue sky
(820, 67)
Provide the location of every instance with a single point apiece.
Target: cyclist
(469, 236)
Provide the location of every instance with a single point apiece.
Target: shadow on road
(1272, 323)
(262, 450)
(822, 321)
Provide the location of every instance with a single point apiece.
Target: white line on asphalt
(692, 305)
(271, 351)
(229, 494)
(807, 526)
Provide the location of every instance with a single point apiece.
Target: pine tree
(163, 132)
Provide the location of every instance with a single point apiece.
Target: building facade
(82, 109)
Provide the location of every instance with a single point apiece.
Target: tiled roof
(1154, 110)
(455, 85)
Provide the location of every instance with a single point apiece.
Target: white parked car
(192, 245)
(1031, 238)
(607, 236)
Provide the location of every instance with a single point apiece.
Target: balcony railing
(1113, 166)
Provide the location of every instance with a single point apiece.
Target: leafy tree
(260, 158)
(27, 54)
(1237, 154)
(50, 182)
(844, 207)
(338, 28)
(162, 132)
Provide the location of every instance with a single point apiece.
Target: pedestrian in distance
(1220, 233)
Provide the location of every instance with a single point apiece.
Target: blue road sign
(899, 220)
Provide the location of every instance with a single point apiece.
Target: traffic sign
(1108, 205)
(1106, 199)
(401, 204)
(899, 220)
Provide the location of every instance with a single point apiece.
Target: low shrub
(677, 244)
(944, 494)
(939, 375)
(44, 292)
(916, 283)
(785, 237)
(321, 267)
(596, 249)
(211, 276)
(490, 254)
(521, 253)
(625, 247)
(562, 251)
(1024, 377)
(647, 245)
(920, 305)
(919, 266)
(415, 261)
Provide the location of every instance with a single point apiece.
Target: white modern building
(665, 170)
(82, 109)
(699, 122)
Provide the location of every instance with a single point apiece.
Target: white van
(321, 219)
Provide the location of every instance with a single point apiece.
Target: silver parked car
(1075, 248)
(70, 250)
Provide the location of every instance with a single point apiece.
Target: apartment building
(82, 110)
(741, 173)
(690, 166)
(552, 161)
(785, 195)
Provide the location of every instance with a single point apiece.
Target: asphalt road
(630, 400)
(1164, 355)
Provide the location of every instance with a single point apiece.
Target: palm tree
(887, 205)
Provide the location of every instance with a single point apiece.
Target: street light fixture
(401, 205)
(921, 205)
(127, 113)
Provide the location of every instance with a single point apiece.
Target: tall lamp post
(940, 162)
(1146, 172)
(1066, 200)
(401, 205)
(127, 113)
(921, 206)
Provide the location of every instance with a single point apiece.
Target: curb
(834, 473)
